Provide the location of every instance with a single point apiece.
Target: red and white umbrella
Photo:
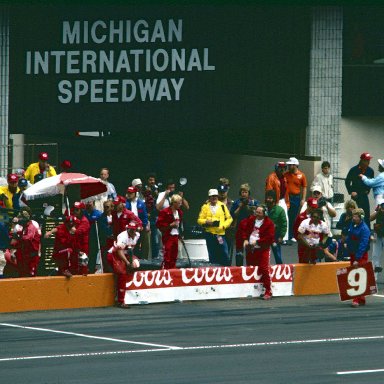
(55, 185)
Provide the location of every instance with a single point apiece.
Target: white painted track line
(89, 336)
(360, 372)
(201, 347)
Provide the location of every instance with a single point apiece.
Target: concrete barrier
(45, 293)
(319, 279)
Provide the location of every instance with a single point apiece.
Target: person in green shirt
(277, 215)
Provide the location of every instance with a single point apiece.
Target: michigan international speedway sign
(232, 69)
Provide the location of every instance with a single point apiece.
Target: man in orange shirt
(276, 181)
(297, 191)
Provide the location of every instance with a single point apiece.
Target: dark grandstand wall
(251, 90)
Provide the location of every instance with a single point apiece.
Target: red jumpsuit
(259, 256)
(64, 252)
(170, 240)
(27, 247)
(301, 249)
(124, 242)
(119, 223)
(81, 240)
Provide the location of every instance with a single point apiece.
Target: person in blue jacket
(358, 245)
(376, 183)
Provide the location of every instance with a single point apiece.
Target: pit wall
(48, 293)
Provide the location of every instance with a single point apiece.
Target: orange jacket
(272, 182)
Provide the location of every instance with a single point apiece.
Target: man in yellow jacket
(7, 191)
(41, 169)
(215, 218)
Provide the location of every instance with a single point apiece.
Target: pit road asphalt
(312, 339)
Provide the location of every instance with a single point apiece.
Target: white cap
(136, 182)
(213, 192)
(316, 187)
(381, 162)
(293, 161)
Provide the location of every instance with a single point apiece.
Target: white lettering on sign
(357, 279)
(88, 59)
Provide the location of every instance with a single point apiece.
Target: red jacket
(82, 235)
(165, 219)
(119, 223)
(266, 231)
(296, 224)
(63, 239)
(31, 238)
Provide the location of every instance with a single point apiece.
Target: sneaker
(294, 240)
(266, 296)
(355, 304)
(378, 269)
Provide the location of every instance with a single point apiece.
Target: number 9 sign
(355, 282)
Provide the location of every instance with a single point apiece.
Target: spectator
(26, 239)
(378, 244)
(258, 234)
(110, 194)
(66, 166)
(336, 250)
(121, 217)
(377, 183)
(231, 231)
(106, 232)
(163, 200)
(4, 245)
(355, 186)
(7, 192)
(312, 235)
(277, 215)
(216, 219)
(345, 219)
(137, 206)
(93, 215)
(41, 168)
(325, 180)
(358, 245)
(150, 193)
(241, 209)
(297, 191)
(276, 181)
(122, 259)
(328, 211)
(17, 199)
(169, 223)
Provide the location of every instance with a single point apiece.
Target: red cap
(79, 205)
(119, 199)
(131, 225)
(312, 202)
(66, 164)
(43, 156)
(366, 156)
(131, 190)
(12, 178)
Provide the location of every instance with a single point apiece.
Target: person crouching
(258, 234)
(122, 259)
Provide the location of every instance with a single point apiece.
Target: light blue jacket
(377, 183)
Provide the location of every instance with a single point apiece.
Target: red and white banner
(205, 284)
(356, 281)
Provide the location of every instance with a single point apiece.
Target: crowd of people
(114, 232)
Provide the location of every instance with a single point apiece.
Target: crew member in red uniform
(122, 259)
(26, 239)
(82, 235)
(169, 224)
(64, 252)
(311, 205)
(258, 234)
(122, 216)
